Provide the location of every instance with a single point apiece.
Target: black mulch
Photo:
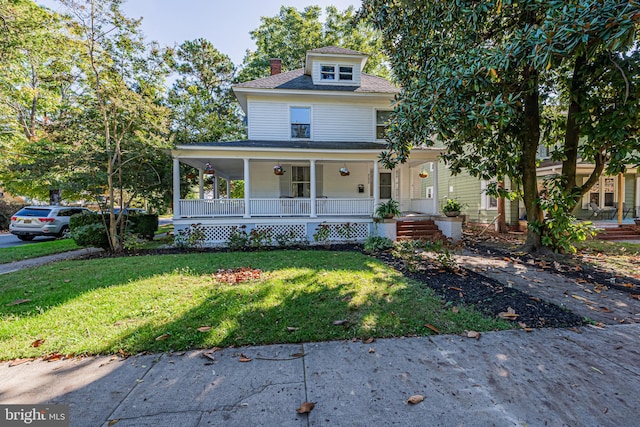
(488, 295)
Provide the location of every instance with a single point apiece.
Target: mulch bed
(487, 295)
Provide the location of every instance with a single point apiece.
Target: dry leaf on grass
(340, 322)
(433, 328)
(204, 328)
(416, 398)
(306, 407)
(510, 314)
(37, 343)
(292, 329)
(18, 301)
(455, 310)
(163, 337)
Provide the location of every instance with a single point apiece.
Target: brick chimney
(276, 66)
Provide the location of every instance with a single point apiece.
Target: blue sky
(225, 23)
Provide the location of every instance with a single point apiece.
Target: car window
(64, 212)
(33, 212)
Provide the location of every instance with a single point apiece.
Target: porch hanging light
(208, 169)
(344, 171)
(278, 170)
(423, 173)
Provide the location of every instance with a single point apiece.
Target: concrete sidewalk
(555, 377)
(36, 262)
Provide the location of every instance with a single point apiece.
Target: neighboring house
(312, 122)
(482, 208)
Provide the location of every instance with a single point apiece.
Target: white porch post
(201, 183)
(436, 197)
(216, 194)
(247, 187)
(312, 186)
(637, 215)
(376, 185)
(228, 188)
(176, 188)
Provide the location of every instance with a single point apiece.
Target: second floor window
(300, 122)
(382, 121)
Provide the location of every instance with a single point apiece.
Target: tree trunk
(572, 134)
(530, 141)
(502, 219)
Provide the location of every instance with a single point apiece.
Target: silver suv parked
(32, 221)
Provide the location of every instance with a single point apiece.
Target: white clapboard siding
(268, 121)
(343, 122)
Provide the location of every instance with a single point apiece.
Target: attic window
(336, 72)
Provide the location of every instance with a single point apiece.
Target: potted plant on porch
(452, 207)
(388, 209)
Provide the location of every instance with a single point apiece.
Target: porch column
(436, 199)
(201, 183)
(216, 194)
(228, 188)
(176, 188)
(620, 197)
(376, 185)
(247, 187)
(637, 201)
(312, 187)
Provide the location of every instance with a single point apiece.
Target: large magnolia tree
(492, 80)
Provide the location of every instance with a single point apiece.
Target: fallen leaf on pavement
(597, 370)
(416, 398)
(18, 301)
(204, 328)
(163, 337)
(298, 355)
(244, 359)
(113, 422)
(306, 407)
(635, 296)
(53, 357)
(473, 334)
(17, 362)
(372, 350)
(368, 340)
(536, 299)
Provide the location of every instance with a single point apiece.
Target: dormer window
(336, 72)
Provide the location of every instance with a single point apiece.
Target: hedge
(89, 229)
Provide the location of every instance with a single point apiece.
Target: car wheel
(65, 233)
(26, 238)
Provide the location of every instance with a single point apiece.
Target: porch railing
(211, 208)
(287, 207)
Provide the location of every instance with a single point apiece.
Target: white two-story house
(311, 157)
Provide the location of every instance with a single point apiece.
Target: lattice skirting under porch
(218, 235)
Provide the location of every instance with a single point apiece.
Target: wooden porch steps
(418, 229)
(623, 232)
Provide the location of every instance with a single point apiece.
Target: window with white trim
(336, 72)
(382, 121)
(428, 193)
(487, 202)
(301, 122)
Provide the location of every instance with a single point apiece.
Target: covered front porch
(295, 187)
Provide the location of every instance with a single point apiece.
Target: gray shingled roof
(336, 50)
(310, 145)
(297, 80)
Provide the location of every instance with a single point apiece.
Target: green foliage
(452, 205)
(323, 231)
(560, 230)
(190, 237)
(291, 33)
(94, 235)
(493, 80)
(390, 208)
(204, 108)
(413, 253)
(7, 209)
(144, 225)
(238, 238)
(375, 244)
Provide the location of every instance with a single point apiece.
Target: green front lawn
(158, 303)
(36, 249)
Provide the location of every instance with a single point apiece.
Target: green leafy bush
(7, 209)
(374, 244)
(145, 225)
(190, 237)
